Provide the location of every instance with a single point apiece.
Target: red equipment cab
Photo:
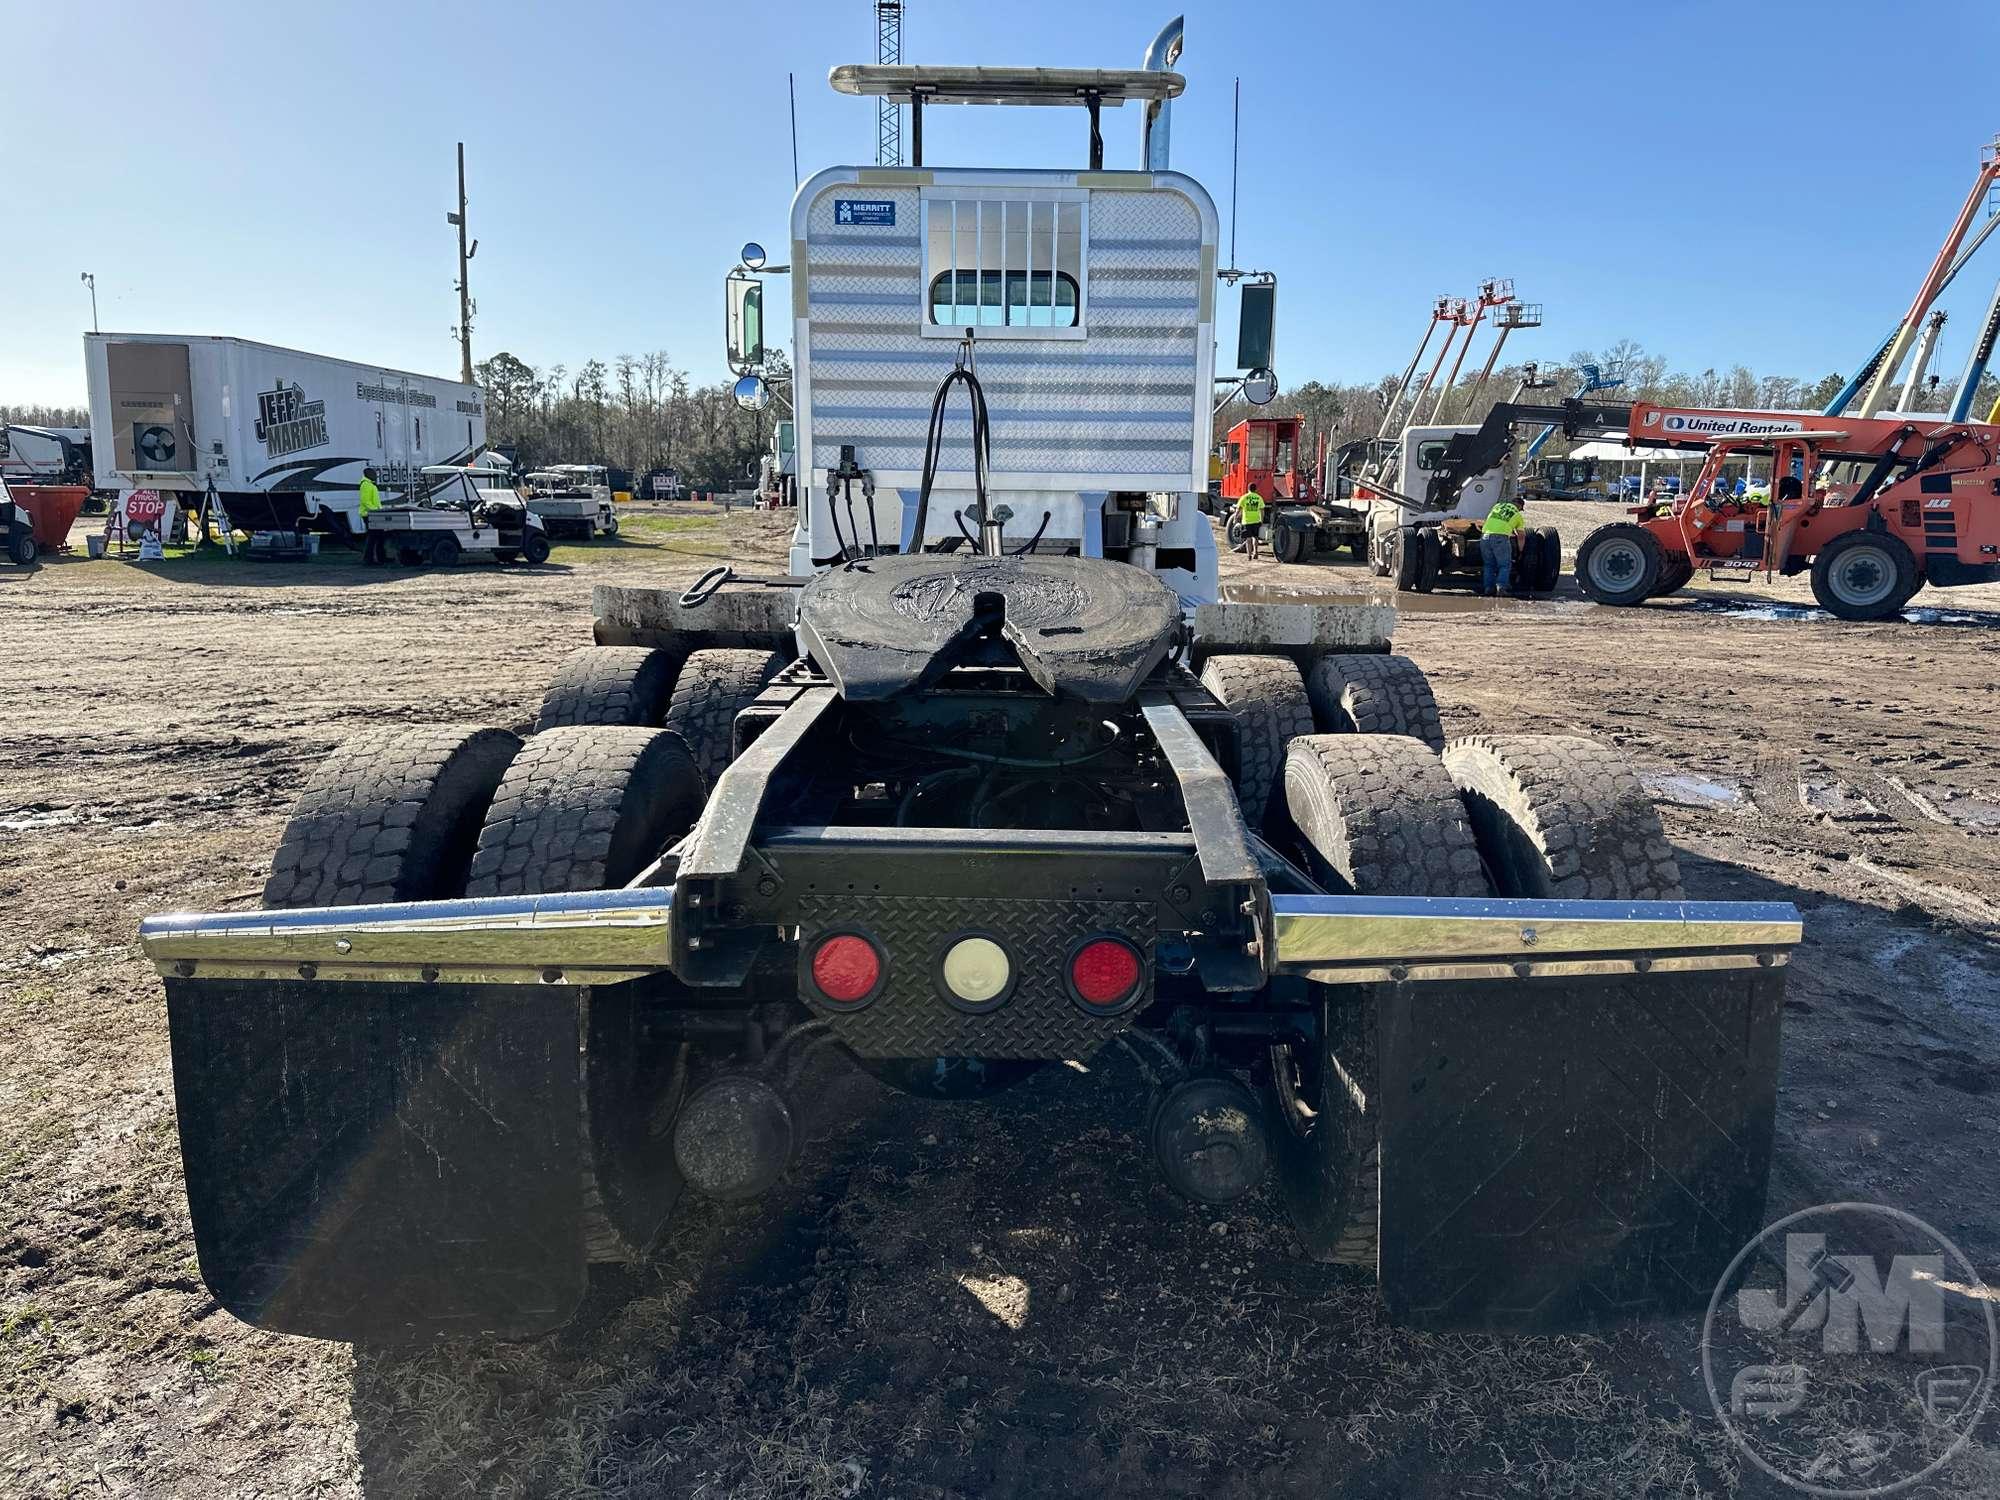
(1264, 451)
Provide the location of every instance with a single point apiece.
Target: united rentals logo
(1701, 426)
(288, 423)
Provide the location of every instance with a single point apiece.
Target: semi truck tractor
(986, 780)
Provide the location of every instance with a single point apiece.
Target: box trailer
(281, 434)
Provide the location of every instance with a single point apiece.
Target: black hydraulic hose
(1029, 544)
(959, 517)
(982, 449)
(833, 516)
(847, 495)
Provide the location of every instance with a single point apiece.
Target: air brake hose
(982, 443)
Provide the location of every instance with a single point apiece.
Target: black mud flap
(1567, 1153)
(382, 1162)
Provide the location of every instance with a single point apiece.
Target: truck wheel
(1376, 815)
(1676, 572)
(1408, 554)
(610, 685)
(1559, 816)
(1358, 549)
(1268, 700)
(712, 689)
(1864, 575)
(392, 815)
(1288, 544)
(1233, 529)
(535, 548)
(1430, 559)
(1550, 573)
(1619, 564)
(445, 551)
(1371, 694)
(587, 808)
(21, 546)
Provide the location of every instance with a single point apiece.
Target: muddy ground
(999, 1300)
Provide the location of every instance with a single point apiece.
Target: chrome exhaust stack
(1155, 137)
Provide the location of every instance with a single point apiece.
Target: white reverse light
(976, 970)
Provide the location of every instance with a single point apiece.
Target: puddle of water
(1408, 604)
(1694, 791)
(27, 819)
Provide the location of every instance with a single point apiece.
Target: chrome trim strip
(579, 938)
(1346, 939)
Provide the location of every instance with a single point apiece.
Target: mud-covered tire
(1232, 529)
(1865, 575)
(712, 689)
(1373, 694)
(1676, 572)
(392, 815)
(585, 808)
(1430, 559)
(610, 685)
(1619, 564)
(1268, 699)
(1562, 817)
(588, 807)
(1377, 814)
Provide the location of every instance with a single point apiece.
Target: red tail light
(846, 968)
(1104, 973)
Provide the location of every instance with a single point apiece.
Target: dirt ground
(941, 1301)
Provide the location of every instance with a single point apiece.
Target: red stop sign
(144, 506)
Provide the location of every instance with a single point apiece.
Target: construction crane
(1976, 361)
(888, 113)
(1921, 362)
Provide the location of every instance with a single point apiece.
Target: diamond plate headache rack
(608, 936)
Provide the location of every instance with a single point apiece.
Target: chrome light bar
(607, 936)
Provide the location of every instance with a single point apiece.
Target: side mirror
(745, 323)
(752, 394)
(752, 256)
(1256, 326)
(1259, 386)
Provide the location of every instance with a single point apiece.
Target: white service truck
(282, 435)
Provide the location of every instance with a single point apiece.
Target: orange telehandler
(1875, 507)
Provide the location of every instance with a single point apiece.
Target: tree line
(635, 412)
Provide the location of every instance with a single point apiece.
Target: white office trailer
(281, 435)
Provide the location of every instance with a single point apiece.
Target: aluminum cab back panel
(1125, 407)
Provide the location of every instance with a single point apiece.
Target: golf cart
(463, 511)
(17, 529)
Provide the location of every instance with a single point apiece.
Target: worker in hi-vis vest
(1250, 515)
(1496, 547)
(377, 549)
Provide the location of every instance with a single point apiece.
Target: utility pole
(90, 281)
(464, 329)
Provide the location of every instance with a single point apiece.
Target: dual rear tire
(1517, 816)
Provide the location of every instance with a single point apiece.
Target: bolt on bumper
(603, 937)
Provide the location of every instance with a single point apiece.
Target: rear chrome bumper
(602, 937)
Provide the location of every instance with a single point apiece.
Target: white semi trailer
(281, 434)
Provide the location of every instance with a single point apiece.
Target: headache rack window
(1009, 264)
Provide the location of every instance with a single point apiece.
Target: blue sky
(1644, 171)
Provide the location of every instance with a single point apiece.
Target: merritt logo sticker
(287, 422)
